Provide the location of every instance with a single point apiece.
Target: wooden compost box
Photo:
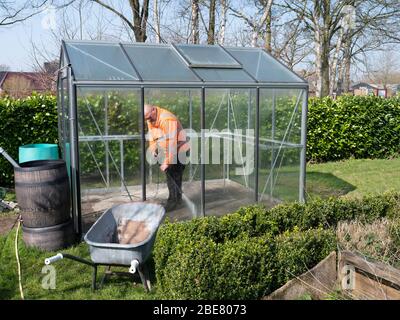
(362, 278)
(354, 275)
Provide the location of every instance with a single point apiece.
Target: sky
(16, 40)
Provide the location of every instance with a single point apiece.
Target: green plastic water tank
(38, 151)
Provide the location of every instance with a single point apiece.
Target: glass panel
(66, 150)
(99, 62)
(109, 147)
(224, 75)
(285, 184)
(159, 63)
(262, 66)
(229, 145)
(280, 136)
(185, 105)
(60, 115)
(207, 56)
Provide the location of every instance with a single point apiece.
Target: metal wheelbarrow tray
(102, 239)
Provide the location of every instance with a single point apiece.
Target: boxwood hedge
(242, 268)
(250, 253)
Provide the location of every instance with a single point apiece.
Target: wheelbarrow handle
(60, 256)
(52, 259)
(134, 266)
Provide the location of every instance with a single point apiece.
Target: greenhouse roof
(139, 63)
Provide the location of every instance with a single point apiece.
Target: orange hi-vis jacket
(167, 136)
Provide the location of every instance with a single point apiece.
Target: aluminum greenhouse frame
(199, 70)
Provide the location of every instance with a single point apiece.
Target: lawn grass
(350, 178)
(353, 178)
(73, 280)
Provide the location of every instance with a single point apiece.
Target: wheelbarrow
(104, 245)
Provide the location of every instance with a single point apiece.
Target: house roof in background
(376, 86)
(3, 75)
(35, 77)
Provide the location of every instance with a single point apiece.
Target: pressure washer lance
(8, 157)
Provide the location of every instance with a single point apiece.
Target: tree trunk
(211, 23)
(322, 64)
(347, 80)
(340, 79)
(317, 48)
(335, 63)
(195, 22)
(224, 9)
(254, 37)
(80, 20)
(347, 65)
(325, 69)
(140, 16)
(157, 21)
(268, 31)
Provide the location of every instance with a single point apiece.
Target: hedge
(25, 121)
(250, 253)
(244, 268)
(353, 127)
(349, 127)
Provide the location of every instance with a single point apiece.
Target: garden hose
(158, 182)
(17, 256)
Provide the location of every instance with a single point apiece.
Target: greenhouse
(243, 112)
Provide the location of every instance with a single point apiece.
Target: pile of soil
(131, 232)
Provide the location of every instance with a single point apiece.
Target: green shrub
(358, 127)
(256, 220)
(327, 213)
(242, 268)
(204, 269)
(25, 121)
(353, 127)
(253, 251)
(298, 251)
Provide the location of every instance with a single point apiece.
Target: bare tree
(80, 19)
(4, 67)
(384, 68)
(323, 18)
(12, 12)
(139, 20)
(176, 20)
(254, 21)
(290, 43)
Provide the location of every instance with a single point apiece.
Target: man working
(167, 139)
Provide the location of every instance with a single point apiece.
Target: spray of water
(191, 206)
(188, 203)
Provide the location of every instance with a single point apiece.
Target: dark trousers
(174, 181)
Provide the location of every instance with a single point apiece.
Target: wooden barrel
(50, 238)
(43, 194)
